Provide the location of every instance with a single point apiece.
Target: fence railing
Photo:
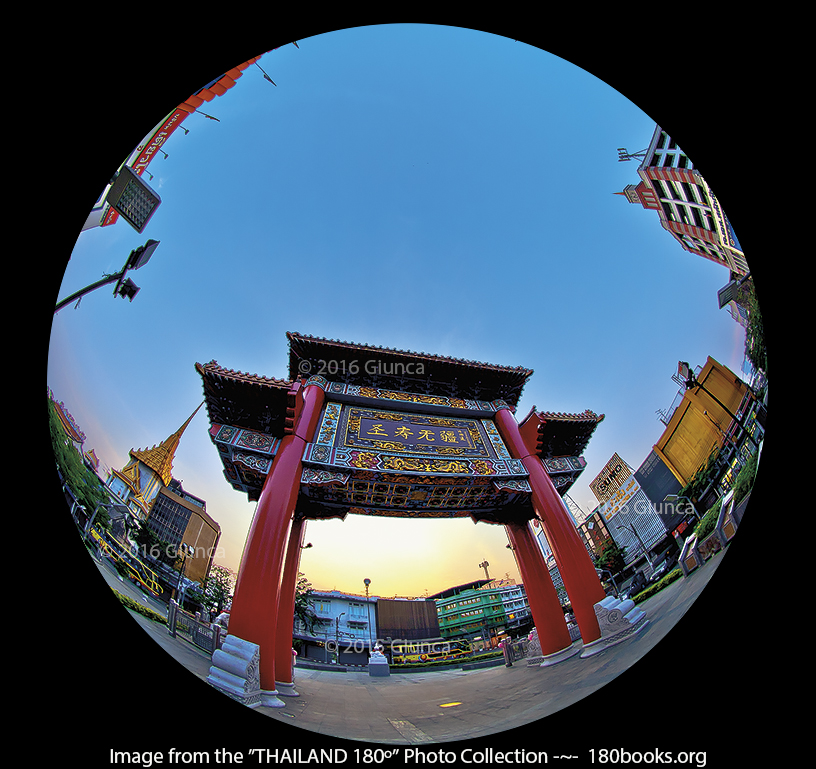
(203, 634)
(515, 650)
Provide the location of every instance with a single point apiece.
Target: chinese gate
(373, 431)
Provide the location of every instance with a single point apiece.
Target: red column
(574, 564)
(253, 616)
(286, 604)
(548, 615)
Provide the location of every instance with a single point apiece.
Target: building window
(323, 607)
(661, 193)
(689, 192)
(168, 519)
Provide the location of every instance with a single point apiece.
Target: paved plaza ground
(701, 676)
(431, 707)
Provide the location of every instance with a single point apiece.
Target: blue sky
(420, 187)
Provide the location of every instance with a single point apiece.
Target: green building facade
(482, 612)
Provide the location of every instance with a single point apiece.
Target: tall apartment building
(688, 209)
(180, 519)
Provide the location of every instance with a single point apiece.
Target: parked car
(637, 584)
(662, 570)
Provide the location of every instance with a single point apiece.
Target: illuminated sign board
(618, 501)
(610, 479)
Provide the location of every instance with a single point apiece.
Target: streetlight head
(141, 256)
(128, 289)
(132, 198)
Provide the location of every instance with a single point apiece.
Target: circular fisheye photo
(407, 386)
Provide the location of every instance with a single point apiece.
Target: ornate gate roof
(462, 467)
(406, 371)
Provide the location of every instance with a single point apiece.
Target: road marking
(449, 704)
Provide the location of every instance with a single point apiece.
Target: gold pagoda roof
(160, 458)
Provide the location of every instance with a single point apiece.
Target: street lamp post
(181, 588)
(640, 541)
(337, 634)
(124, 287)
(367, 582)
(611, 579)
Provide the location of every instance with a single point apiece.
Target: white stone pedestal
(269, 699)
(286, 690)
(560, 656)
(536, 658)
(378, 665)
(235, 671)
(618, 621)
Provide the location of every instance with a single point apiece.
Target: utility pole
(124, 287)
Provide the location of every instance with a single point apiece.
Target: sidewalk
(429, 707)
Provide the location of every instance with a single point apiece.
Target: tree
(610, 556)
(755, 349)
(85, 485)
(304, 605)
(219, 588)
(150, 546)
(744, 481)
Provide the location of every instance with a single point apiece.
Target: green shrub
(745, 479)
(658, 586)
(707, 523)
(140, 608)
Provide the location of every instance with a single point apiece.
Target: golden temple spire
(160, 458)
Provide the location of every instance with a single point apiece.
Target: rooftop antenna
(483, 565)
(624, 154)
